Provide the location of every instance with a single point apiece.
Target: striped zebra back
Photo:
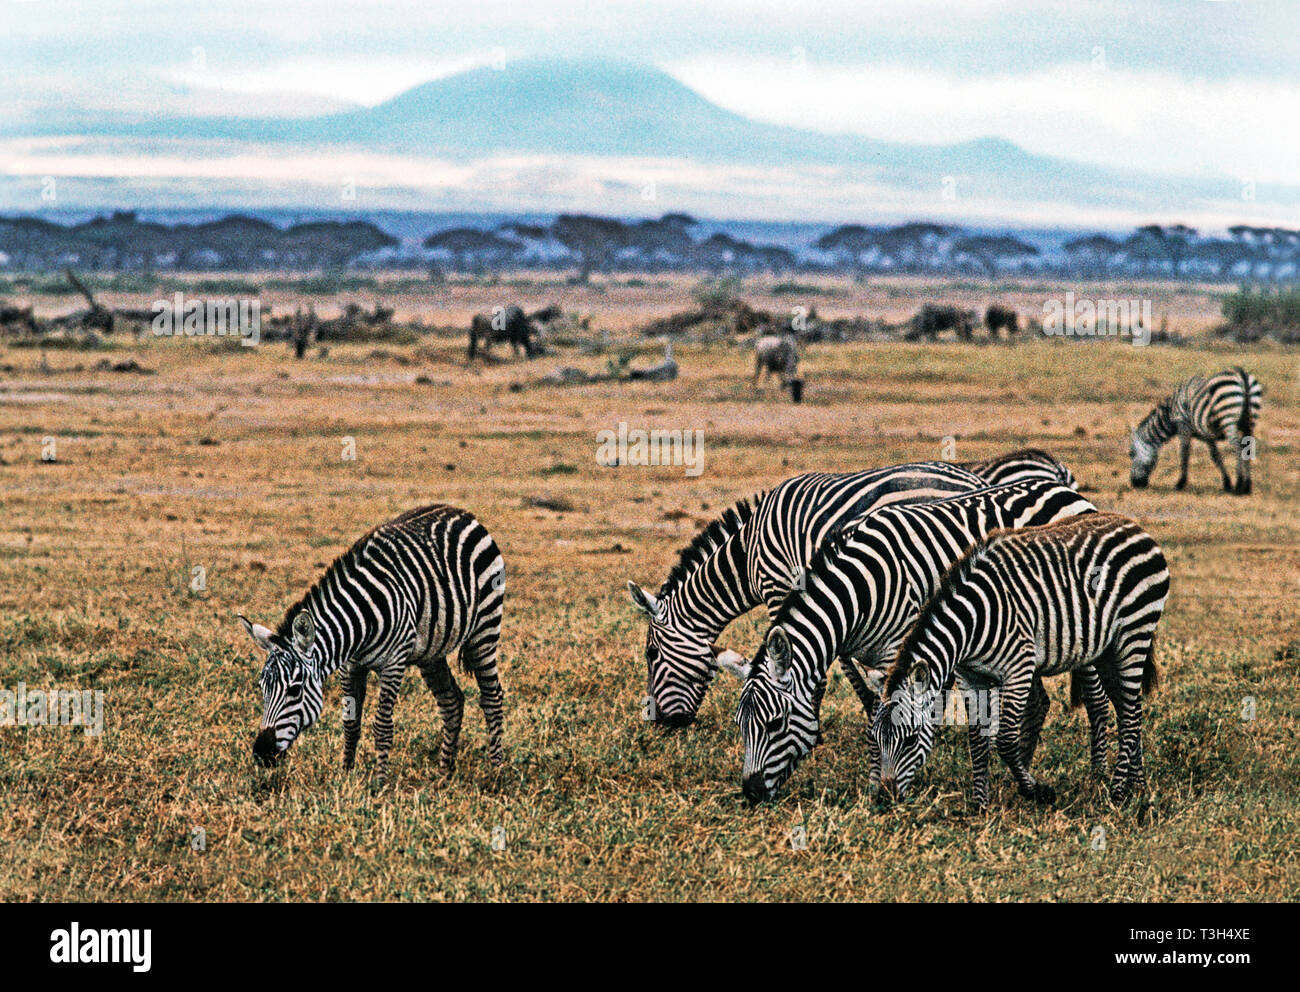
(752, 555)
(435, 567)
(1027, 464)
(798, 515)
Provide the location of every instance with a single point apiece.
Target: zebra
(409, 592)
(861, 593)
(752, 554)
(1019, 466)
(1223, 407)
(1027, 603)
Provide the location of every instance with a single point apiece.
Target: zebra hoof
(1040, 793)
(1243, 490)
(1180, 485)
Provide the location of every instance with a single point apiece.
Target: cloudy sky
(1186, 87)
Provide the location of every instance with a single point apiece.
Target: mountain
(567, 113)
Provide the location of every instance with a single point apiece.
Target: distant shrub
(325, 284)
(716, 294)
(1263, 309)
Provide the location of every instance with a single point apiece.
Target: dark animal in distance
(935, 317)
(506, 324)
(997, 317)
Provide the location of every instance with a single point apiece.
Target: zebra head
(902, 734)
(679, 662)
(1143, 455)
(292, 687)
(778, 722)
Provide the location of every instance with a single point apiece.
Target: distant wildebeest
(935, 317)
(997, 316)
(505, 324)
(779, 354)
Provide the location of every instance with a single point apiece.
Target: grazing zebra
(410, 592)
(752, 555)
(779, 354)
(1209, 410)
(861, 593)
(1024, 604)
(1021, 466)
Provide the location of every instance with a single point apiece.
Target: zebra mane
(285, 629)
(709, 540)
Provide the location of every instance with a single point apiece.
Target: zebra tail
(1150, 674)
(1246, 420)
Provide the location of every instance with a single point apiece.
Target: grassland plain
(231, 459)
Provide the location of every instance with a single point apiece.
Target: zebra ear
(304, 632)
(779, 651)
(642, 600)
(261, 635)
(731, 661)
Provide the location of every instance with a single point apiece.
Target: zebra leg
(1035, 715)
(1184, 457)
(1013, 699)
(480, 657)
(869, 701)
(978, 737)
(1218, 463)
(1123, 684)
(390, 681)
(451, 704)
(354, 700)
(1096, 702)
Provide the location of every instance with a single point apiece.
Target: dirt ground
(121, 490)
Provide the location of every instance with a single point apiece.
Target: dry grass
(231, 459)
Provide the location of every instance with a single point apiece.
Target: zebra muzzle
(265, 750)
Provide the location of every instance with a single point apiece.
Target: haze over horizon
(992, 111)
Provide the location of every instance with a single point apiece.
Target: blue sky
(1192, 86)
(1178, 87)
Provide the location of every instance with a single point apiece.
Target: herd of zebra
(987, 576)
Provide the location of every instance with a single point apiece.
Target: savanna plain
(231, 460)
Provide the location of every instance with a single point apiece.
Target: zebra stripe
(1028, 603)
(862, 591)
(1223, 407)
(1025, 465)
(752, 555)
(410, 592)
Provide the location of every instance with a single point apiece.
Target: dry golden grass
(230, 459)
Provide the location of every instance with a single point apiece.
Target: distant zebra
(752, 555)
(862, 591)
(1223, 407)
(1025, 604)
(410, 592)
(1021, 466)
(779, 354)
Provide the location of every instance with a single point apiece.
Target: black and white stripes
(410, 592)
(1024, 604)
(862, 591)
(753, 555)
(1027, 464)
(1223, 407)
